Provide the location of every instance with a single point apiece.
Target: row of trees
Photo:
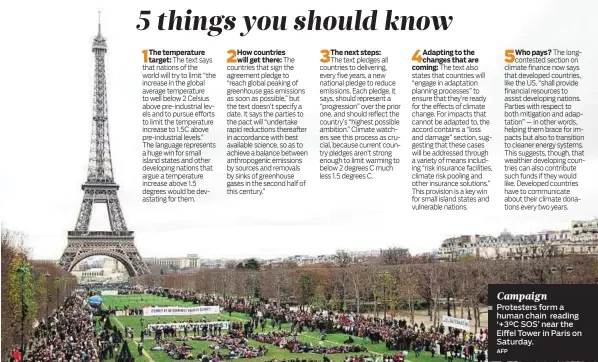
(384, 287)
(30, 290)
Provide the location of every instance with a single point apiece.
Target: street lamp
(22, 271)
(48, 276)
(69, 287)
(384, 298)
(58, 280)
(384, 276)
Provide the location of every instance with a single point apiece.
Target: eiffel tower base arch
(115, 244)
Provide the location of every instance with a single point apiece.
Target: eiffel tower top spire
(99, 42)
(100, 160)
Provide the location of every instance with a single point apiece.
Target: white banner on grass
(156, 311)
(109, 292)
(455, 322)
(180, 326)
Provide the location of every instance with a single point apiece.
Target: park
(331, 346)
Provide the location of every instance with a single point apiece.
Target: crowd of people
(122, 288)
(177, 352)
(70, 334)
(395, 334)
(296, 346)
(183, 330)
(224, 347)
(357, 358)
(109, 339)
(67, 335)
(275, 338)
(123, 311)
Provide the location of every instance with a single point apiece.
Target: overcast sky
(46, 95)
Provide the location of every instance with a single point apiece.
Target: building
(354, 256)
(217, 263)
(97, 263)
(82, 266)
(191, 261)
(584, 230)
(304, 259)
(113, 265)
(581, 239)
(99, 275)
(465, 245)
(360, 256)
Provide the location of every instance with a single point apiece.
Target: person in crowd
(69, 335)
(16, 355)
(481, 356)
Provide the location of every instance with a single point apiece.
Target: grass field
(140, 300)
(135, 301)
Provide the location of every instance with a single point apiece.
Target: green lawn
(199, 346)
(140, 300)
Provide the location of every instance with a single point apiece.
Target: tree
(430, 289)
(229, 281)
(9, 323)
(319, 300)
(394, 256)
(41, 288)
(342, 258)
(464, 257)
(252, 264)
(22, 291)
(424, 290)
(426, 258)
(384, 290)
(480, 273)
(451, 285)
(408, 289)
(358, 275)
(334, 303)
(306, 289)
(282, 283)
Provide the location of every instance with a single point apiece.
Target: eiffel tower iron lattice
(100, 187)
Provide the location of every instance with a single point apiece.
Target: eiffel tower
(101, 188)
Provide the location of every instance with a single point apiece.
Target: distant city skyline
(358, 251)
